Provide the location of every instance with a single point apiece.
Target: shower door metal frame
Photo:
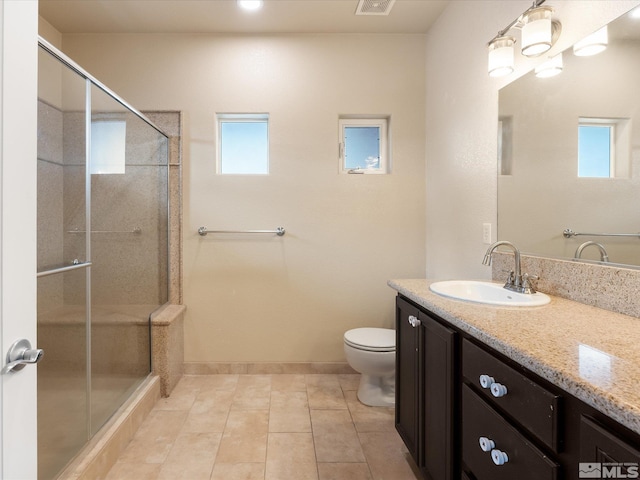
(45, 45)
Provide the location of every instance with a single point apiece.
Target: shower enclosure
(102, 253)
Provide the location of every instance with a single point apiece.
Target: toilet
(372, 353)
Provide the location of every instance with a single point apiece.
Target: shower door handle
(20, 354)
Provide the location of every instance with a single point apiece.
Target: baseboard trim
(250, 368)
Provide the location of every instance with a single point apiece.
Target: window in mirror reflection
(594, 151)
(603, 148)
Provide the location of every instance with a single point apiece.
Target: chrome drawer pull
(486, 381)
(499, 457)
(413, 321)
(498, 390)
(486, 444)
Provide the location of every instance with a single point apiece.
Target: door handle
(20, 354)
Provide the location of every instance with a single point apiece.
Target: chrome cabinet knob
(498, 390)
(499, 457)
(413, 321)
(486, 381)
(486, 444)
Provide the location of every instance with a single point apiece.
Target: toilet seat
(371, 339)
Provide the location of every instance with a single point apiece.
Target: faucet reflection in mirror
(603, 252)
(517, 281)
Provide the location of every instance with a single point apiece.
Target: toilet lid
(371, 339)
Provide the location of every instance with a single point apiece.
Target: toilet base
(377, 391)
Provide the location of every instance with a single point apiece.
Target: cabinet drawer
(531, 405)
(525, 460)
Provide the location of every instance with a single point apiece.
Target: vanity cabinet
(407, 375)
(468, 412)
(426, 380)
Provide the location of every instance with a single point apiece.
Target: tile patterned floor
(266, 427)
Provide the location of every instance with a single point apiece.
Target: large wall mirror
(569, 154)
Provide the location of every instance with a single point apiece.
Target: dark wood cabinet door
(407, 375)
(606, 452)
(439, 383)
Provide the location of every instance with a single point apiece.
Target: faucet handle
(511, 278)
(529, 282)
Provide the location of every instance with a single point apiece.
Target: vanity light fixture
(592, 44)
(501, 56)
(635, 13)
(550, 68)
(250, 5)
(536, 31)
(539, 33)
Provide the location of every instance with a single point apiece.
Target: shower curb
(96, 459)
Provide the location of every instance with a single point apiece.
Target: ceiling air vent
(374, 7)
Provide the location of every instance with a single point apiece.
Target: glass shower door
(62, 269)
(128, 249)
(102, 254)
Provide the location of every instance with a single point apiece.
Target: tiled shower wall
(128, 268)
(133, 267)
(50, 205)
(171, 124)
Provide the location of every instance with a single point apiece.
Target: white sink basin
(487, 293)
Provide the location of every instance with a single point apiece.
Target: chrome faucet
(517, 282)
(603, 252)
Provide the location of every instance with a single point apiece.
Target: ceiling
(223, 16)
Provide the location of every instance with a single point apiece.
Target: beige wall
(462, 112)
(266, 298)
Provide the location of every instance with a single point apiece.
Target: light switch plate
(486, 233)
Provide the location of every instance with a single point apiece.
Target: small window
(595, 151)
(604, 147)
(108, 146)
(363, 145)
(243, 143)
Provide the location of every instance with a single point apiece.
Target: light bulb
(501, 56)
(250, 5)
(537, 31)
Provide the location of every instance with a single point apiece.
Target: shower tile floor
(266, 427)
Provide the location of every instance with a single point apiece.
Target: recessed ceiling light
(250, 5)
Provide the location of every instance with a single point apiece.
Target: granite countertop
(591, 353)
